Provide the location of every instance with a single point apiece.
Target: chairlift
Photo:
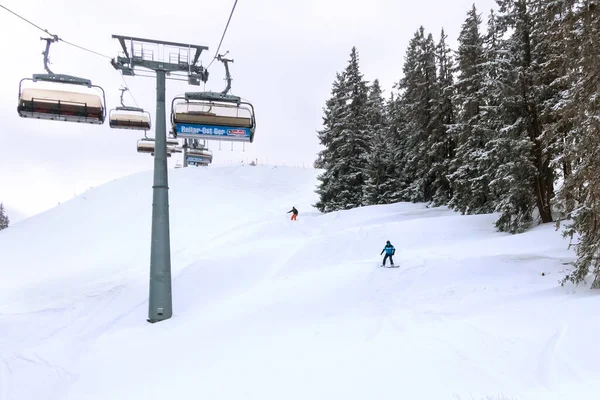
(203, 154)
(197, 153)
(126, 117)
(61, 105)
(148, 145)
(213, 116)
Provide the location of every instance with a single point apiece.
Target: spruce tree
(4, 220)
(346, 137)
(553, 27)
(419, 97)
(356, 136)
(511, 148)
(398, 144)
(580, 193)
(380, 183)
(329, 137)
(470, 175)
(442, 145)
(496, 68)
(524, 178)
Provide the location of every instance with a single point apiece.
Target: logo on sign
(237, 132)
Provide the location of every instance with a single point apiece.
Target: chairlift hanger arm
(128, 108)
(226, 62)
(58, 78)
(46, 52)
(123, 90)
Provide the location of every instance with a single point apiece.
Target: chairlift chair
(173, 146)
(126, 117)
(213, 116)
(204, 154)
(147, 145)
(61, 105)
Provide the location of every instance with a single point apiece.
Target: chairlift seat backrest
(147, 145)
(204, 119)
(200, 153)
(129, 121)
(61, 105)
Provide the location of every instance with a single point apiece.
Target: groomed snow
(266, 308)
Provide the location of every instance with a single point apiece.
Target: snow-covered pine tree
(329, 137)
(524, 179)
(343, 182)
(404, 122)
(418, 105)
(510, 148)
(398, 143)
(496, 68)
(4, 220)
(442, 146)
(553, 28)
(381, 170)
(470, 175)
(580, 194)
(356, 136)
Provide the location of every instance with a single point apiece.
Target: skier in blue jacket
(389, 252)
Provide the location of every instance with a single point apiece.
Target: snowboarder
(294, 213)
(389, 252)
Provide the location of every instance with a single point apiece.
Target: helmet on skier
(388, 242)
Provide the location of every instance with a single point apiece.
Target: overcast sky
(286, 54)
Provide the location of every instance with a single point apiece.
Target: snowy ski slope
(266, 308)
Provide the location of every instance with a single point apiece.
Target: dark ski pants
(386, 257)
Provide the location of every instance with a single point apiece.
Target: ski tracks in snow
(20, 375)
(386, 284)
(550, 361)
(6, 379)
(93, 316)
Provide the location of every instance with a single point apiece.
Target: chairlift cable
(54, 36)
(83, 48)
(28, 21)
(222, 37)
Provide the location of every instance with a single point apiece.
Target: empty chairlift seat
(147, 145)
(212, 114)
(199, 156)
(129, 118)
(56, 99)
(126, 117)
(61, 105)
(173, 146)
(208, 115)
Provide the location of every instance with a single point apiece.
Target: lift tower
(165, 59)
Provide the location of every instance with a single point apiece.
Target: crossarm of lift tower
(175, 58)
